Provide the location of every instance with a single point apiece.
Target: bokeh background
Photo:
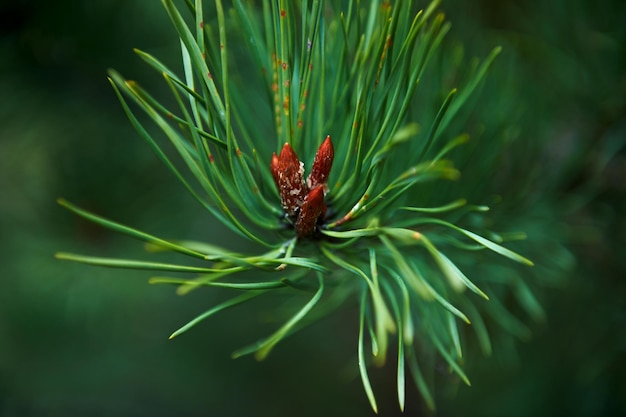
(76, 340)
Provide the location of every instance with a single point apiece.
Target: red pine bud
(312, 209)
(321, 165)
(287, 171)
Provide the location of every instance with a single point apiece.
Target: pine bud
(303, 203)
(288, 171)
(312, 209)
(321, 165)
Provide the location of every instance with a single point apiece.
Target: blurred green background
(76, 340)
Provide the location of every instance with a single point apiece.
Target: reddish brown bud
(321, 165)
(312, 209)
(287, 171)
(303, 203)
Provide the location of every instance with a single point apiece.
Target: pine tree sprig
(366, 209)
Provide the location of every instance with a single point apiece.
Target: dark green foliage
(545, 152)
